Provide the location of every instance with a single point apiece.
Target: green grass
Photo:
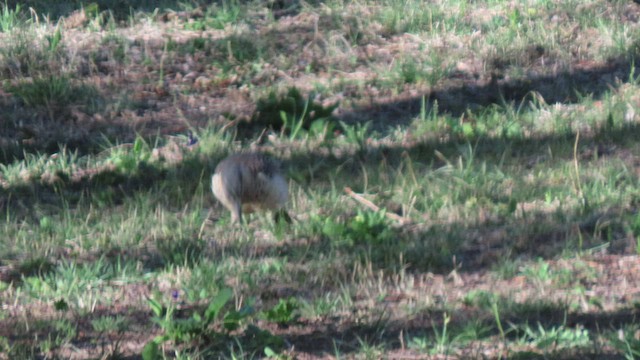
(490, 149)
(9, 18)
(54, 94)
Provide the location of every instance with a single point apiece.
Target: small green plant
(284, 312)
(409, 71)
(438, 68)
(357, 134)
(370, 227)
(366, 228)
(291, 124)
(496, 317)
(54, 41)
(506, 267)
(635, 229)
(539, 272)
(114, 46)
(626, 341)
(293, 114)
(217, 16)
(108, 324)
(461, 128)
(555, 337)
(444, 338)
(127, 159)
(419, 343)
(322, 129)
(9, 19)
(369, 350)
(480, 298)
(443, 342)
(430, 70)
(213, 326)
(368, 233)
(320, 307)
(228, 13)
(180, 330)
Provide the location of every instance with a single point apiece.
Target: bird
(246, 182)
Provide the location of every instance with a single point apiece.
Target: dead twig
(359, 198)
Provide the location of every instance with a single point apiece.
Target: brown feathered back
(247, 182)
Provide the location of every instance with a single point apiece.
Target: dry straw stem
(359, 198)
(578, 185)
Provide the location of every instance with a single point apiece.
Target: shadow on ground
(459, 93)
(463, 92)
(395, 336)
(475, 244)
(323, 338)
